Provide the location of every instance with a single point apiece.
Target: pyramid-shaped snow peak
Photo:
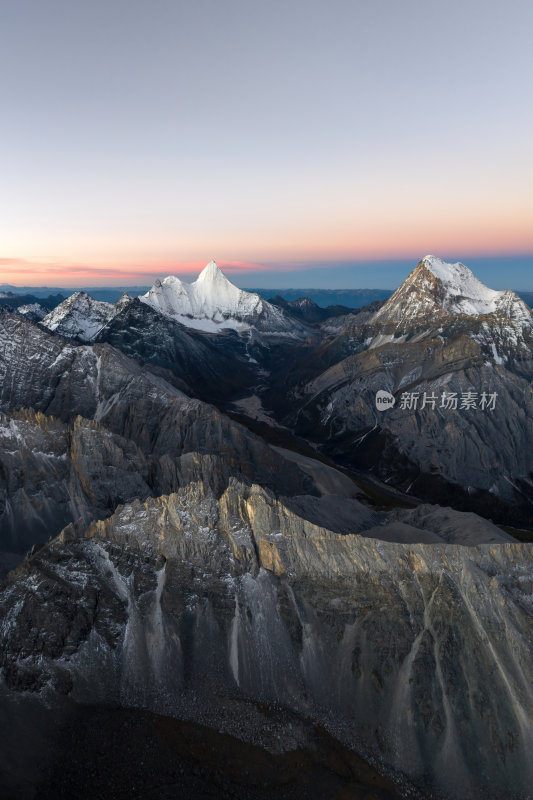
(438, 287)
(81, 316)
(212, 302)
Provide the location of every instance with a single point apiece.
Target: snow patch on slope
(32, 308)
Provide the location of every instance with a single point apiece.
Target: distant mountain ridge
(351, 298)
(307, 310)
(16, 300)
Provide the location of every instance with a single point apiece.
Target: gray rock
(189, 604)
(111, 431)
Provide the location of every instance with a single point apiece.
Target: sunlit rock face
(417, 654)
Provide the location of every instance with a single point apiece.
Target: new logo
(384, 400)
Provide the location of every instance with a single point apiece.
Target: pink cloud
(31, 271)
(8, 262)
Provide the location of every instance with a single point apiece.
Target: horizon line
(38, 273)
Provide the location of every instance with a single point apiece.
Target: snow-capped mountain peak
(81, 316)
(212, 302)
(438, 287)
(124, 300)
(211, 272)
(218, 298)
(463, 289)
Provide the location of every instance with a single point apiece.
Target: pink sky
(59, 272)
(269, 136)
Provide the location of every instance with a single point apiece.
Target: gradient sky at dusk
(333, 141)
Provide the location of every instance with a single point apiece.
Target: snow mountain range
(211, 303)
(317, 377)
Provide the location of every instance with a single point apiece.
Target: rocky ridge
(209, 366)
(191, 604)
(85, 428)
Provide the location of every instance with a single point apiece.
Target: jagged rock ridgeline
(101, 430)
(189, 605)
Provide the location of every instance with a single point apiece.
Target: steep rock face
(43, 371)
(209, 365)
(52, 473)
(33, 476)
(190, 604)
(486, 449)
